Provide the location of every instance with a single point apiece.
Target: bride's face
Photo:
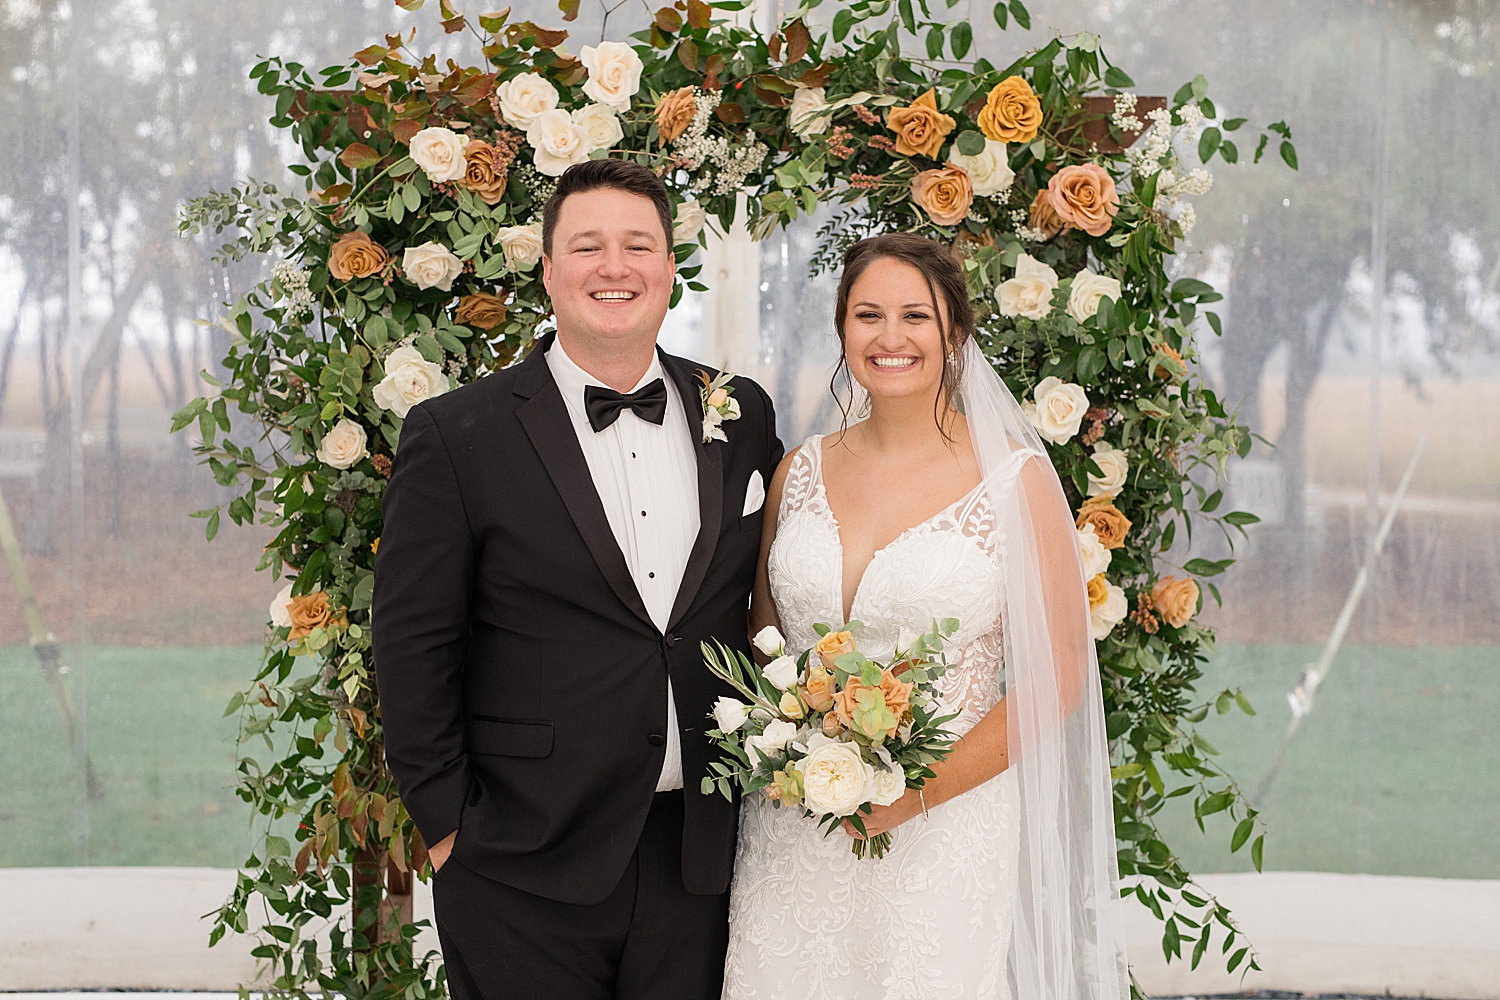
(892, 338)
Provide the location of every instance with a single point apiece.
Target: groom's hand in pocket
(438, 853)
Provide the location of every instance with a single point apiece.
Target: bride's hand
(883, 819)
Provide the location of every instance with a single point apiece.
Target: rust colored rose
(945, 194)
(1084, 197)
(480, 311)
(897, 694)
(832, 646)
(819, 690)
(311, 611)
(1176, 600)
(1098, 591)
(1043, 218)
(355, 255)
(1110, 526)
(921, 127)
(1012, 112)
(482, 173)
(674, 113)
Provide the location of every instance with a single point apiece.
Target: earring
(953, 357)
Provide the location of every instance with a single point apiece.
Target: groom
(558, 540)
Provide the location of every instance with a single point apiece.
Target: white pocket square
(755, 494)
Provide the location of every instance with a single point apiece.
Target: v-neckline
(838, 536)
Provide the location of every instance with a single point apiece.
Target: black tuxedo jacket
(523, 686)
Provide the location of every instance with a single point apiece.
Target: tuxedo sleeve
(424, 572)
(774, 449)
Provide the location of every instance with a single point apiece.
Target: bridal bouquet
(831, 730)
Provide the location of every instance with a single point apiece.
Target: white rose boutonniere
(522, 245)
(431, 265)
(988, 171)
(600, 124)
(809, 113)
(1058, 409)
(343, 445)
(409, 379)
(440, 153)
(557, 142)
(614, 73)
(522, 99)
(1115, 466)
(1029, 293)
(718, 405)
(1088, 289)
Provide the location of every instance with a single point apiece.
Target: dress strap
(803, 476)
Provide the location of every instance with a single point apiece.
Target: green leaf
(1002, 16)
(970, 142)
(1208, 143)
(1215, 322)
(908, 16)
(1257, 852)
(1289, 154)
(1206, 567)
(1233, 124)
(962, 39)
(1212, 501)
(1244, 703)
(1216, 803)
(1229, 151)
(842, 22)
(1116, 77)
(1019, 12)
(1236, 959)
(212, 528)
(935, 42)
(277, 847)
(1241, 518)
(1241, 834)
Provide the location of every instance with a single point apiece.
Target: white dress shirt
(647, 478)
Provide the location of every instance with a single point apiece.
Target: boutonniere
(718, 405)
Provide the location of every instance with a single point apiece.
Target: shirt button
(656, 739)
(651, 576)
(643, 513)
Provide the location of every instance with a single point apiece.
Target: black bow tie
(604, 405)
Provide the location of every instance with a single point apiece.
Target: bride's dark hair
(949, 288)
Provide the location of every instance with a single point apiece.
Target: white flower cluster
(1124, 117)
(541, 188)
(293, 282)
(1155, 152)
(724, 165)
(1149, 152)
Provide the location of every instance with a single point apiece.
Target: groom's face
(611, 268)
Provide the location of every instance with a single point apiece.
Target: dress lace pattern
(932, 919)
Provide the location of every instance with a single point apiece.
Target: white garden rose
(769, 641)
(439, 152)
(1109, 613)
(886, 787)
(600, 124)
(1088, 289)
(1029, 293)
(782, 672)
(804, 117)
(1095, 556)
(1115, 465)
(691, 216)
(1058, 410)
(730, 714)
(281, 616)
(431, 265)
(774, 739)
(343, 445)
(614, 73)
(835, 779)
(557, 142)
(409, 379)
(522, 99)
(522, 245)
(988, 171)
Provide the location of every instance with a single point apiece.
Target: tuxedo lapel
(710, 485)
(544, 415)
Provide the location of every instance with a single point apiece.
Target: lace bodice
(945, 567)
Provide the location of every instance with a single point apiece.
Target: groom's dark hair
(622, 175)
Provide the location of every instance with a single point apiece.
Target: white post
(731, 307)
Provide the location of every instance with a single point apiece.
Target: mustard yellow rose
(920, 128)
(832, 646)
(1012, 112)
(355, 255)
(1110, 526)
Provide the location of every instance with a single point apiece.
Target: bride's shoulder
(797, 466)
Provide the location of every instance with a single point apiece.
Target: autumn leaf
(359, 156)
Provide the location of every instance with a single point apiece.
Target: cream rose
(281, 615)
(770, 641)
(691, 216)
(835, 778)
(440, 153)
(989, 171)
(1109, 613)
(1059, 409)
(730, 714)
(522, 245)
(557, 142)
(782, 672)
(524, 98)
(886, 787)
(775, 738)
(804, 117)
(343, 445)
(600, 124)
(1095, 556)
(409, 379)
(431, 265)
(614, 73)
(1029, 293)
(1114, 464)
(1088, 289)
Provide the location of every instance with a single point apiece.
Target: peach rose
(311, 611)
(897, 696)
(1012, 112)
(818, 691)
(1110, 526)
(1176, 600)
(481, 174)
(1084, 197)
(921, 127)
(832, 646)
(480, 311)
(674, 113)
(355, 255)
(1098, 591)
(944, 194)
(1043, 218)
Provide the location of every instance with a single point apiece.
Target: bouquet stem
(874, 847)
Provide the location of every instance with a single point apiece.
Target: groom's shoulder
(479, 399)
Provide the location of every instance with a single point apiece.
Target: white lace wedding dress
(933, 918)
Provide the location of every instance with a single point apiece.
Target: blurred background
(1362, 311)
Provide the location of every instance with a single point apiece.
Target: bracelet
(923, 799)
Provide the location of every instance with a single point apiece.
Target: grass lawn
(1397, 770)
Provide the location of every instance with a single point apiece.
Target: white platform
(140, 928)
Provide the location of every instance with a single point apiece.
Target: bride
(1001, 881)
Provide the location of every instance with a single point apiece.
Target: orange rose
(1084, 197)
(1110, 526)
(1098, 591)
(1176, 600)
(481, 175)
(674, 113)
(944, 194)
(819, 690)
(1043, 218)
(480, 311)
(355, 255)
(897, 696)
(1012, 112)
(832, 646)
(311, 611)
(921, 127)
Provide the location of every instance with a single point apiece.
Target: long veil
(1068, 938)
